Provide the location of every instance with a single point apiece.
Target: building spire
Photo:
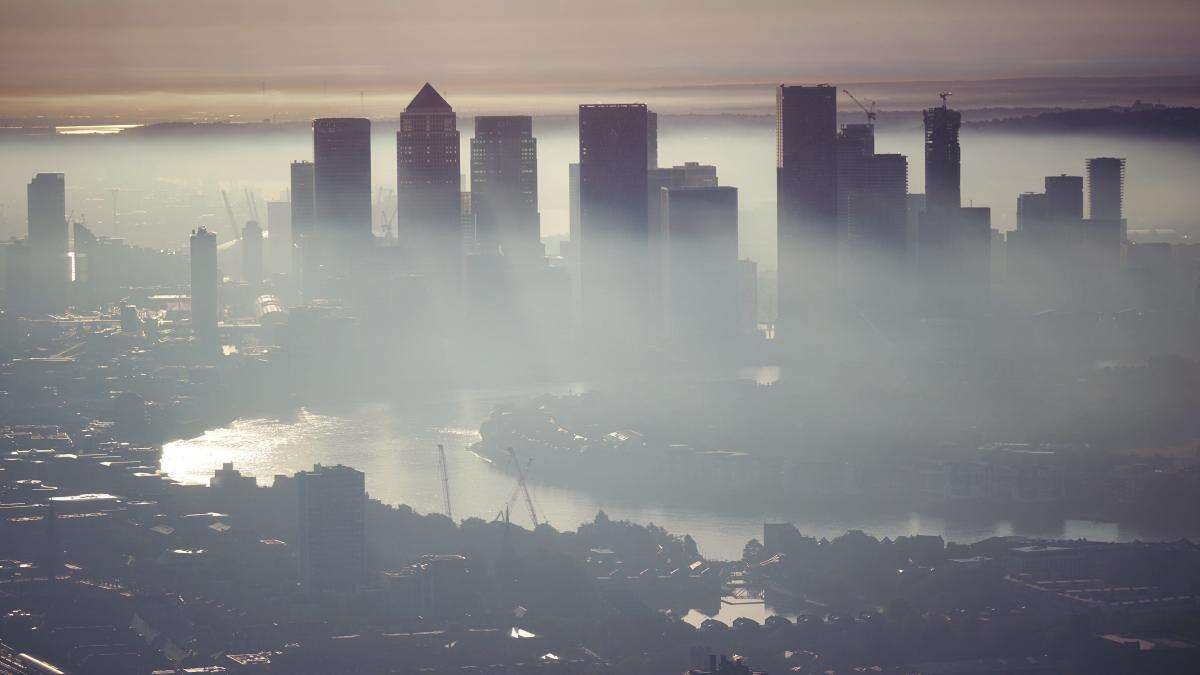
(428, 100)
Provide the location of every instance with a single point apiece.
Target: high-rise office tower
(304, 204)
(342, 196)
(943, 161)
(806, 193)
(701, 242)
(612, 197)
(279, 238)
(1106, 188)
(876, 212)
(205, 281)
(973, 242)
(688, 174)
(1106, 227)
(342, 178)
(332, 528)
(573, 196)
(875, 246)
(304, 218)
(504, 186)
(855, 147)
(428, 200)
(50, 266)
(651, 139)
(252, 254)
(1064, 197)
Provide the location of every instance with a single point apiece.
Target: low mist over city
(599, 338)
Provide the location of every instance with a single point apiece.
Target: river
(395, 445)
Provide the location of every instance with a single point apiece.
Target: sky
(134, 55)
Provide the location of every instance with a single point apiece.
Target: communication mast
(945, 95)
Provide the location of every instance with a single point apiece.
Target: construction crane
(512, 497)
(869, 111)
(251, 205)
(237, 231)
(524, 486)
(945, 95)
(444, 473)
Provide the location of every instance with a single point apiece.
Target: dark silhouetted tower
(1106, 190)
(304, 204)
(651, 139)
(614, 239)
(1064, 197)
(278, 255)
(701, 244)
(504, 186)
(252, 254)
(428, 190)
(50, 267)
(342, 178)
(205, 280)
(855, 147)
(943, 160)
(806, 192)
(573, 197)
(332, 528)
(877, 211)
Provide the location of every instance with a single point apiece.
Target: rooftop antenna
(945, 95)
(362, 102)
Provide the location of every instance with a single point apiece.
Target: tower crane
(945, 95)
(521, 483)
(869, 111)
(251, 205)
(512, 496)
(237, 231)
(444, 473)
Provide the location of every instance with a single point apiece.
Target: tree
(753, 551)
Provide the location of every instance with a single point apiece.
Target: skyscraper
(304, 205)
(855, 147)
(504, 186)
(304, 218)
(1106, 190)
(429, 213)
(701, 242)
(943, 162)
(332, 528)
(342, 178)
(875, 254)
(876, 212)
(573, 196)
(50, 268)
(1064, 197)
(806, 193)
(688, 174)
(205, 280)
(612, 197)
(252, 254)
(651, 139)
(279, 238)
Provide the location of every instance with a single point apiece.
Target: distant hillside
(1138, 119)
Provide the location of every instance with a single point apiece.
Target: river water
(395, 445)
